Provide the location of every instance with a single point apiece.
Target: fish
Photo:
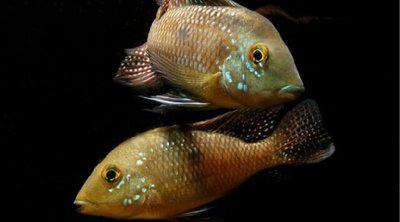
(169, 171)
(209, 55)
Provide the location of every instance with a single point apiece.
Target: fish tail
(136, 70)
(301, 137)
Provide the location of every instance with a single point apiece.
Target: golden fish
(213, 54)
(167, 171)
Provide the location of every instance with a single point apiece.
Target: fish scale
(192, 32)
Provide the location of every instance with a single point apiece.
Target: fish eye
(258, 53)
(111, 174)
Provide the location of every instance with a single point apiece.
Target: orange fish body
(215, 54)
(168, 171)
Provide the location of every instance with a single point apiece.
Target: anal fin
(136, 69)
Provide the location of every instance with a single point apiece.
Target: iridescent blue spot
(229, 58)
(240, 86)
(243, 77)
(136, 197)
(242, 58)
(250, 68)
(258, 75)
(228, 77)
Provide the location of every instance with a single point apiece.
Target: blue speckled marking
(240, 86)
(136, 197)
(258, 75)
(229, 58)
(228, 77)
(243, 77)
(242, 58)
(250, 68)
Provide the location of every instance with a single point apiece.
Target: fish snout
(291, 91)
(81, 205)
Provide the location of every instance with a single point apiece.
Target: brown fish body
(168, 171)
(191, 169)
(207, 51)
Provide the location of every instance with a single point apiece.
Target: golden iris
(111, 174)
(258, 53)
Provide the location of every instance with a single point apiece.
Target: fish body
(168, 171)
(218, 54)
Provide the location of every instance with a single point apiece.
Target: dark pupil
(110, 175)
(257, 55)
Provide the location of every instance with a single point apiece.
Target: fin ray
(165, 5)
(301, 136)
(249, 125)
(177, 99)
(136, 69)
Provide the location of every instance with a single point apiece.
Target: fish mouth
(291, 91)
(83, 205)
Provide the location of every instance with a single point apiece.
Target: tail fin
(301, 138)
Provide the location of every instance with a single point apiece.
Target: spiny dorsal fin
(179, 3)
(169, 4)
(249, 125)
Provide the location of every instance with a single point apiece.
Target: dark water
(60, 111)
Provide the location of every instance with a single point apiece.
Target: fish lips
(291, 91)
(83, 206)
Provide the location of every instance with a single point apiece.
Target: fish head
(261, 71)
(114, 190)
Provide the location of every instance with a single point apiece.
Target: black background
(60, 111)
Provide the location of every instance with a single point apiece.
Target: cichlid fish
(168, 171)
(214, 53)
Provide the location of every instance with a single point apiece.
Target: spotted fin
(179, 3)
(249, 125)
(165, 5)
(301, 137)
(177, 99)
(136, 69)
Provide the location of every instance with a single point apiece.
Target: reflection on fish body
(168, 171)
(214, 54)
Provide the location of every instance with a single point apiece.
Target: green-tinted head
(261, 71)
(115, 190)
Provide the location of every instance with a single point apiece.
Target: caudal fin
(300, 137)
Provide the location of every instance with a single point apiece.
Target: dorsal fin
(169, 4)
(179, 3)
(249, 125)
